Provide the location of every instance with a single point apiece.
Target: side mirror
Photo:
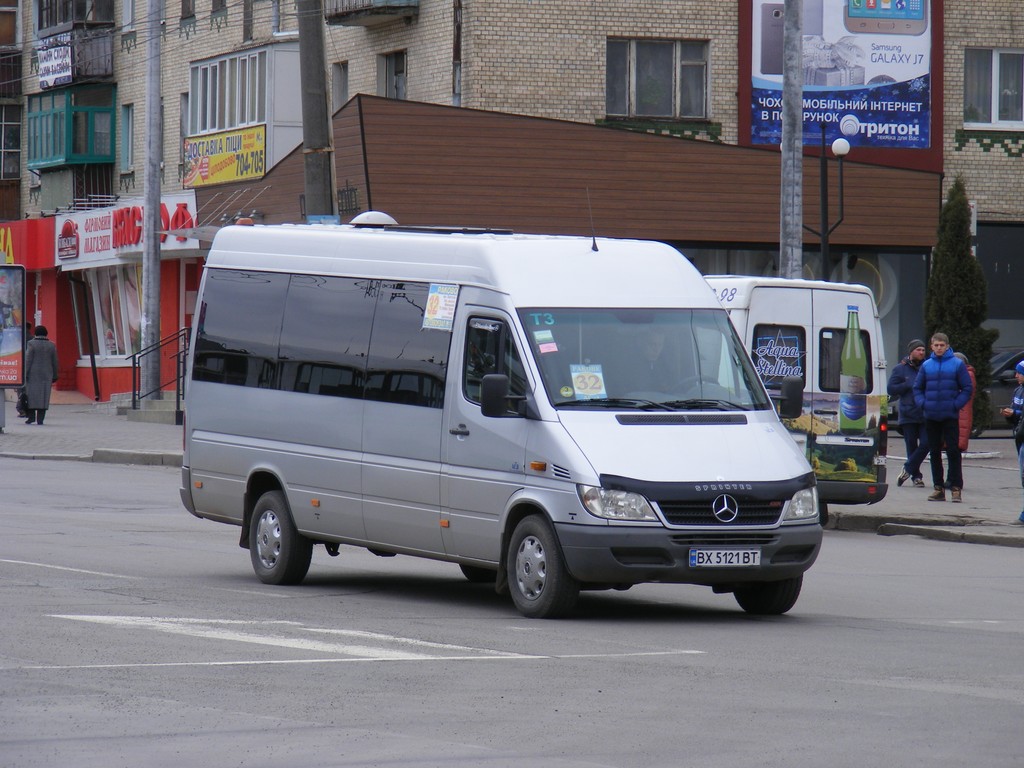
(791, 403)
(494, 395)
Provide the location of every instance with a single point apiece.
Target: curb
(962, 534)
(151, 458)
(105, 456)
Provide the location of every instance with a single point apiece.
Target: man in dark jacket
(941, 389)
(911, 418)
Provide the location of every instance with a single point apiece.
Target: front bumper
(634, 555)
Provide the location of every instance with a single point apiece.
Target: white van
(495, 401)
(800, 328)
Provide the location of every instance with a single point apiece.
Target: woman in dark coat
(40, 375)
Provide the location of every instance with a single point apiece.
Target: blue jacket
(943, 386)
(901, 385)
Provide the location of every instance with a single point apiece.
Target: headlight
(616, 505)
(803, 506)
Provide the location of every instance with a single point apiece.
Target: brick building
(231, 109)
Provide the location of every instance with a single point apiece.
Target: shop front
(98, 258)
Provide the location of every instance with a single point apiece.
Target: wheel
(478, 575)
(279, 553)
(769, 598)
(541, 586)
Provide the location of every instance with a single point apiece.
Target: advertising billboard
(12, 325)
(866, 68)
(220, 158)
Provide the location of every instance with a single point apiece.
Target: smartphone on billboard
(772, 21)
(886, 17)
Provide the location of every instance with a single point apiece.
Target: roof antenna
(593, 232)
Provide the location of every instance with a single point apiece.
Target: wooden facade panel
(428, 164)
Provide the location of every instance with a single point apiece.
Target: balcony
(369, 13)
(78, 56)
(10, 74)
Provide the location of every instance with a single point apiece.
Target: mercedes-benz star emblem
(725, 508)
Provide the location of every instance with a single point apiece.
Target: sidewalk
(77, 429)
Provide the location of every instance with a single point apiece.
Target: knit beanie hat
(1020, 368)
(914, 344)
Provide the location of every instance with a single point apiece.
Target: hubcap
(531, 568)
(268, 539)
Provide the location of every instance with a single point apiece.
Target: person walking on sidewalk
(911, 418)
(941, 389)
(40, 375)
(1016, 412)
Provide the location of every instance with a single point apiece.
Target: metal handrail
(180, 339)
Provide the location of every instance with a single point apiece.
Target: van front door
(484, 456)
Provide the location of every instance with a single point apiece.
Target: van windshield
(643, 359)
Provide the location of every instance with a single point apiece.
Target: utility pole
(791, 195)
(317, 133)
(150, 320)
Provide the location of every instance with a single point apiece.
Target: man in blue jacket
(911, 419)
(943, 386)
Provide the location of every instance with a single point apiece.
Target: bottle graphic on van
(853, 373)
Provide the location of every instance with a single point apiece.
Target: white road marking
(64, 568)
(375, 648)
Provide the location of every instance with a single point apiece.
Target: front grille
(711, 539)
(647, 419)
(701, 513)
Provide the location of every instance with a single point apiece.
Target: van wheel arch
(259, 483)
(515, 515)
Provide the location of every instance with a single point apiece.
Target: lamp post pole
(840, 148)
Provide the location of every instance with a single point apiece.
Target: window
(656, 78)
(780, 351)
(10, 141)
(325, 336)
(188, 9)
(320, 335)
(247, 20)
(228, 93)
(8, 22)
(391, 75)
(830, 352)
(127, 136)
(239, 327)
(407, 361)
(339, 85)
(641, 357)
(219, 6)
(128, 15)
(994, 87)
(114, 327)
(54, 13)
(490, 349)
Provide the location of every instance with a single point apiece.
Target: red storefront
(83, 282)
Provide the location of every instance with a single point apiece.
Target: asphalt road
(136, 635)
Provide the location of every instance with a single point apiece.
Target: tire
(279, 553)
(478, 575)
(769, 598)
(541, 586)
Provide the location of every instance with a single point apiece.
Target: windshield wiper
(618, 402)
(706, 403)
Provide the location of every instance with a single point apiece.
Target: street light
(840, 148)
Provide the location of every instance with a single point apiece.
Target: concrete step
(153, 415)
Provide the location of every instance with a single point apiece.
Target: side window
(238, 328)
(831, 356)
(490, 349)
(780, 351)
(408, 356)
(325, 335)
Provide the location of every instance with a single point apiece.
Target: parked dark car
(1000, 391)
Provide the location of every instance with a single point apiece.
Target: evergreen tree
(956, 299)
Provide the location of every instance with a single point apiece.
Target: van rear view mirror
(494, 395)
(791, 403)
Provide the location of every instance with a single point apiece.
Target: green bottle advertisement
(853, 374)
